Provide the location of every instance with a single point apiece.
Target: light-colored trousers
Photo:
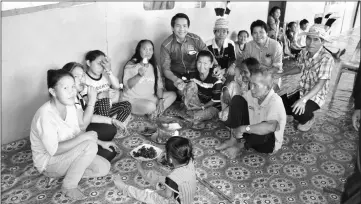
(142, 106)
(80, 162)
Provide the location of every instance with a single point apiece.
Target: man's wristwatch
(304, 101)
(248, 128)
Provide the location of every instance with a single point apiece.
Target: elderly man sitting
(262, 119)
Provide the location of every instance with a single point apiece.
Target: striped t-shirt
(210, 89)
(183, 182)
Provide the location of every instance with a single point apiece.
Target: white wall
(296, 11)
(33, 43)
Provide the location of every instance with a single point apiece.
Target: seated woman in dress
(143, 86)
(202, 94)
(106, 127)
(59, 146)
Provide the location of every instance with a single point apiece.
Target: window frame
(33, 9)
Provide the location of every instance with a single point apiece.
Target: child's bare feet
(232, 152)
(229, 143)
(119, 183)
(74, 194)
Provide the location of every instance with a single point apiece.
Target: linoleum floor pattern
(307, 162)
(297, 173)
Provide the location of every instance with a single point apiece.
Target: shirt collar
(175, 38)
(265, 45)
(215, 46)
(315, 55)
(268, 98)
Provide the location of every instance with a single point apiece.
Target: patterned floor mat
(307, 162)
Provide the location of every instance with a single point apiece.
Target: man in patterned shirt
(316, 64)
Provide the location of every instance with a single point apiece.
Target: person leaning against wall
(105, 127)
(59, 145)
(143, 84)
(178, 54)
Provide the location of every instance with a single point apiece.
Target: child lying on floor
(180, 184)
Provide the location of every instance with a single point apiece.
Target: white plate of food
(146, 152)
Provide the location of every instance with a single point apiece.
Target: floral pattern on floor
(307, 162)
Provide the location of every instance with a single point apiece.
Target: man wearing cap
(316, 64)
(178, 54)
(222, 48)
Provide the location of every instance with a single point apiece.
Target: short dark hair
(54, 76)
(290, 24)
(243, 31)
(264, 71)
(205, 53)
(274, 9)
(71, 65)
(180, 149)
(179, 15)
(303, 22)
(92, 55)
(251, 63)
(259, 23)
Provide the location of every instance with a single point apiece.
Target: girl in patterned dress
(179, 186)
(107, 86)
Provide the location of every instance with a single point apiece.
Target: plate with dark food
(146, 152)
(148, 131)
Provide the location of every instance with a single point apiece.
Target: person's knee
(90, 147)
(127, 106)
(191, 84)
(238, 100)
(106, 132)
(149, 107)
(171, 97)
(109, 133)
(104, 166)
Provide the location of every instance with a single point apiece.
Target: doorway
(282, 5)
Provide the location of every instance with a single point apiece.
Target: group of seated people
(290, 39)
(71, 134)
